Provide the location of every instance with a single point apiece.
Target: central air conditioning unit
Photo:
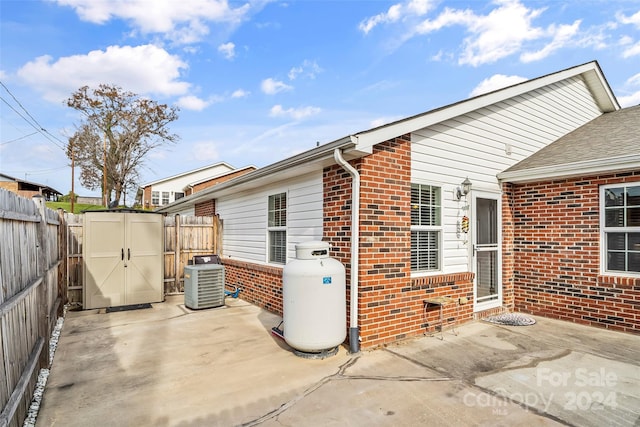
(204, 286)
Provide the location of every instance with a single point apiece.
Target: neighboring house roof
(361, 143)
(29, 185)
(221, 175)
(231, 168)
(611, 142)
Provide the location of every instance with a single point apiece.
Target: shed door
(124, 259)
(103, 257)
(144, 257)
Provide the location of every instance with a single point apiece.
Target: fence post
(178, 255)
(42, 269)
(217, 235)
(63, 255)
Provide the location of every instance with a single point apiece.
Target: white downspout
(354, 336)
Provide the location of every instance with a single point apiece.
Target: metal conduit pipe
(354, 336)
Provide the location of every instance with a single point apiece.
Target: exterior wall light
(464, 189)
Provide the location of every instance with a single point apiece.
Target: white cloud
(633, 98)
(294, 113)
(561, 36)
(505, 30)
(391, 15)
(271, 86)
(495, 82)
(630, 100)
(380, 121)
(179, 21)
(191, 102)
(308, 69)
(145, 69)
(240, 93)
(630, 20)
(499, 34)
(204, 151)
(632, 50)
(228, 50)
(397, 12)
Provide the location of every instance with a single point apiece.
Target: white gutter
(354, 336)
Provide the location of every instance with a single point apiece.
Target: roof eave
(569, 170)
(169, 178)
(590, 71)
(249, 180)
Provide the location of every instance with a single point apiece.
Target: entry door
(486, 251)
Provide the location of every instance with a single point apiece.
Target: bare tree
(118, 130)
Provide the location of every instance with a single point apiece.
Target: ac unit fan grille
(204, 286)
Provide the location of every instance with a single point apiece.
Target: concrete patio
(171, 366)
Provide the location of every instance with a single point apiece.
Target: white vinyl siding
(245, 217)
(477, 145)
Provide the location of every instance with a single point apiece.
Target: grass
(77, 207)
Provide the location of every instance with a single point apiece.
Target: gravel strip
(34, 408)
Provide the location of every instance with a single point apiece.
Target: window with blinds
(620, 204)
(277, 228)
(426, 228)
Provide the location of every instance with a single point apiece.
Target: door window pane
(487, 221)
(487, 274)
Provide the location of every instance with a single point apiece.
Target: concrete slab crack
(341, 374)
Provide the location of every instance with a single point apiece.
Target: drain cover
(511, 319)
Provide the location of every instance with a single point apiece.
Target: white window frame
(155, 198)
(604, 230)
(165, 198)
(276, 228)
(439, 229)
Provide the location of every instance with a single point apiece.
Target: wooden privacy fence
(41, 269)
(184, 237)
(30, 298)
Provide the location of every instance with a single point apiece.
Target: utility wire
(33, 123)
(38, 172)
(17, 139)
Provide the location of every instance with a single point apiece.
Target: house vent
(204, 286)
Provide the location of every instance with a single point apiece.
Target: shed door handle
(122, 254)
(128, 254)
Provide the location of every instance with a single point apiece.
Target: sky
(257, 81)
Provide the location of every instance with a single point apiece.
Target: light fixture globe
(464, 188)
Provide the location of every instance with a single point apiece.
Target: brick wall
(210, 183)
(206, 208)
(261, 284)
(556, 254)
(146, 198)
(391, 304)
(508, 260)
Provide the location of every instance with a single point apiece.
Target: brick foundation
(261, 284)
(556, 255)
